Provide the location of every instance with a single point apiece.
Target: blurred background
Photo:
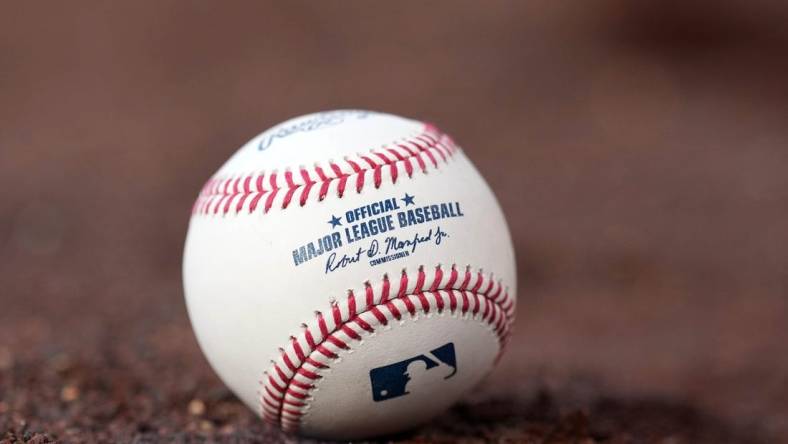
(638, 149)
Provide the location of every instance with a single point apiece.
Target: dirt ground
(637, 148)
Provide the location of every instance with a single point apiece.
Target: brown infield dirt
(638, 150)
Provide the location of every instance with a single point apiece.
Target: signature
(334, 264)
(313, 123)
(392, 245)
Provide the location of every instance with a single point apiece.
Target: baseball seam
(287, 386)
(420, 315)
(235, 193)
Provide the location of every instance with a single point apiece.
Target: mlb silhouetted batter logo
(398, 379)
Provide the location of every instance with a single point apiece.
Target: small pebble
(196, 407)
(227, 429)
(6, 360)
(69, 393)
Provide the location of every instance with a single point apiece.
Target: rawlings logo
(313, 123)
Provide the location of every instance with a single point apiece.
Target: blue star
(408, 199)
(335, 221)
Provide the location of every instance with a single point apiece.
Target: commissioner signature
(392, 248)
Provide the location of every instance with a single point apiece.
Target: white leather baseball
(349, 274)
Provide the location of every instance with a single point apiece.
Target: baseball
(349, 274)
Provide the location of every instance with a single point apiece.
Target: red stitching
(288, 384)
(223, 195)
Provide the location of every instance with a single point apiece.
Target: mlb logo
(395, 380)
